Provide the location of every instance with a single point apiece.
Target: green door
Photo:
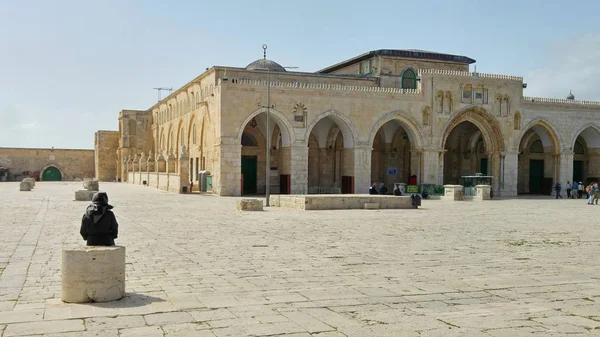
(51, 173)
(578, 170)
(249, 174)
(483, 166)
(536, 176)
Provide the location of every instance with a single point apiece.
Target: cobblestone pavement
(197, 267)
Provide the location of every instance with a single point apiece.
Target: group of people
(577, 190)
(381, 189)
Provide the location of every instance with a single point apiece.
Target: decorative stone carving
(300, 114)
(447, 103)
(93, 274)
(426, 115)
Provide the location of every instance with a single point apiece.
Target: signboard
(412, 189)
(392, 171)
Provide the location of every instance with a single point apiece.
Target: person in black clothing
(373, 189)
(99, 226)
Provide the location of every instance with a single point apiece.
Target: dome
(570, 95)
(264, 64)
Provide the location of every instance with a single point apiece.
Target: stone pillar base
(25, 186)
(453, 193)
(84, 195)
(483, 192)
(93, 274)
(250, 205)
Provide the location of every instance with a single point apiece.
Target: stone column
(431, 167)
(566, 169)
(150, 167)
(494, 164)
(299, 169)
(184, 169)
(510, 167)
(136, 169)
(362, 168)
(129, 168)
(227, 176)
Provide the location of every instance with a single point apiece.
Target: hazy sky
(68, 67)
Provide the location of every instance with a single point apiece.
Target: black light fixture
(253, 123)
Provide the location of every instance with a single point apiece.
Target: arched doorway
(538, 163)
(466, 153)
(472, 144)
(586, 155)
(330, 157)
(51, 173)
(253, 141)
(391, 157)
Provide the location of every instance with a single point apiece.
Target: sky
(67, 67)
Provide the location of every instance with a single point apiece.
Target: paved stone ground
(197, 267)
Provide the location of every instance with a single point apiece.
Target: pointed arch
(590, 132)
(411, 127)
(287, 135)
(348, 131)
(545, 131)
(485, 122)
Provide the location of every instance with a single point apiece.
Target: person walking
(99, 226)
(591, 193)
(557, 187)
(581, 190)
(569, 189)
(574, 189)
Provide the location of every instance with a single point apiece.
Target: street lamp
(268, 135)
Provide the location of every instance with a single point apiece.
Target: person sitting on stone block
(99, 226)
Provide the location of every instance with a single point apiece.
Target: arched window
(537, 147)
(517, 121)
(409, 79)
(578, 148)
(248, 140)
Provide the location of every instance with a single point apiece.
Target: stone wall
(106, 145)
(73, 164)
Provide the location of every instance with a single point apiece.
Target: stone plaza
(197, 267)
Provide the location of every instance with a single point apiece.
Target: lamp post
(268, 132)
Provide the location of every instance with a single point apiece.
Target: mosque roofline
(405, 53)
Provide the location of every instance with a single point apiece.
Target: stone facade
(384, 116)
(71, 164)
(106, 145)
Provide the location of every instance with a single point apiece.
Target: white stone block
(91, 185)
(24, 186)
(250, 205)
(93, 274)
(482, 192)
(453, 193)
(84, 195)
(30, 181)
(371, 205)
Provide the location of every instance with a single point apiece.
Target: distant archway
(538, 162)
(51, 173)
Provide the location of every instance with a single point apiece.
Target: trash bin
(183, 189)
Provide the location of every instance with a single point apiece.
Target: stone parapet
(325, 86)
(93, 274)
(340, 201)
(470, 74)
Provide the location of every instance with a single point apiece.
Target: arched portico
(472, 143)
(331, 162)
(396, 144)
(252, 139)
(585, 146)
(540, 161)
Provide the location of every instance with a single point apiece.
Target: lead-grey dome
(571, 96)
(264, 64)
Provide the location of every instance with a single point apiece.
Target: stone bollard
(93, 274)
(24, 186)
(250, 205)
(483, 192)
(84, 195)
(453, 193)
(30, 181)
(91, 185)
